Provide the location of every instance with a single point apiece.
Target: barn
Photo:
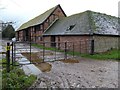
(84, 27)
(88, 31)
(33, 29)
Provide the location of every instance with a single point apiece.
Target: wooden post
(92, 47)
(43, 51)
(73, 50)
(65, 50)
(12, 53)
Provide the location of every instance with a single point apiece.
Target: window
(41, 27)
(41, 38)
(70, 27)
(37, 28)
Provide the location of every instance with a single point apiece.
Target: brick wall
(79, 43)
(83, 43)
(56, 14)
(20, 38)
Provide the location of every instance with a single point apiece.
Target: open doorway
(26, 35)
(53, 43)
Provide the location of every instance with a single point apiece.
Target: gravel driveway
(85, 74)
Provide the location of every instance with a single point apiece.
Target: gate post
(12, 52)
(30, 52)
(8, 57)
(92, 47)
(73, 49)
(65, 51)
(43, 51)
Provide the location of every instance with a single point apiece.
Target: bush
(16, 79)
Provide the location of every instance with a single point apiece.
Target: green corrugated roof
(37, 20)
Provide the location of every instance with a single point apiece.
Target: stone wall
(104, 43)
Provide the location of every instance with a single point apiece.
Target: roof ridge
(100, 13)
(47, 12)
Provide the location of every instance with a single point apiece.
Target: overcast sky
(20, 11)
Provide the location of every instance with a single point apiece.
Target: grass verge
(108, 55)
(47, 48)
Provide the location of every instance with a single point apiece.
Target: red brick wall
(59, 12)
(20, 38)
(56, 14)
(79, 43)
(47, 40)
(35, 36)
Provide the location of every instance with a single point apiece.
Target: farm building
(87, 30)
(33, 30)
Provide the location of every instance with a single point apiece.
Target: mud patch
(44, 67)
(34, 58)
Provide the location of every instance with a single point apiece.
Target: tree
(8, 32)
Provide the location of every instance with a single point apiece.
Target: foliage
(16, 79)
(3, 63)
(8, 32)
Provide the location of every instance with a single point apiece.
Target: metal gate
(32, 53)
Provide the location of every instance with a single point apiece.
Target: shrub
(16, 79)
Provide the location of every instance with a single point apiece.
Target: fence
(48, 51)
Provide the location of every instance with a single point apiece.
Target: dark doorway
(58, 42)
(26, 35)
(17, 36)
(53, 43)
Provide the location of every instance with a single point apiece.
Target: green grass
(47, 48)
(112, 54)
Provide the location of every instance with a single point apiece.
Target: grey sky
(20, 11)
